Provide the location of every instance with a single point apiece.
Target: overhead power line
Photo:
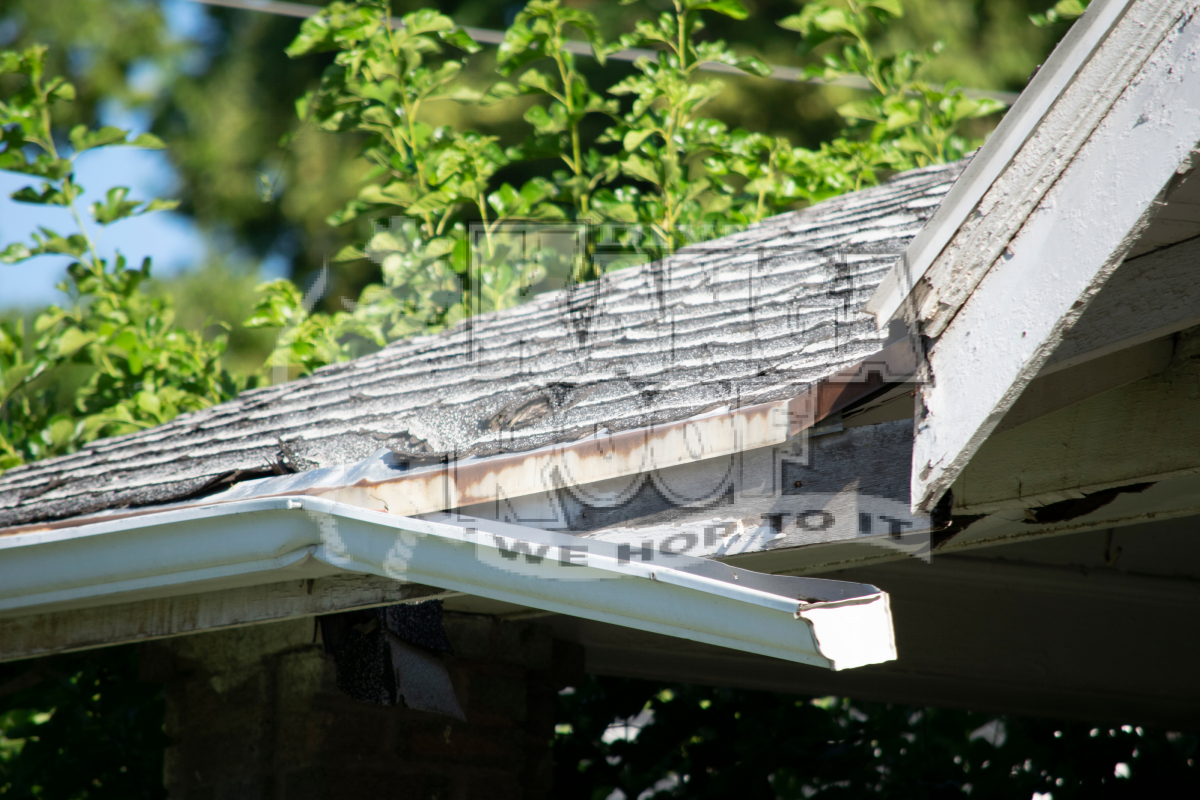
(486, 36)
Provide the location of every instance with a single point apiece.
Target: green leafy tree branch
(112, 361)
(907, 122)
(661, 173)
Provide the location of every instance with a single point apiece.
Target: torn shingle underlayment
(754, 317)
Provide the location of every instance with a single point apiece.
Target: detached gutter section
(832, 624)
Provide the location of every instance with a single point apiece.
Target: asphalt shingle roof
(756, 316)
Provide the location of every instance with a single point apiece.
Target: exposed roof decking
(752, 317)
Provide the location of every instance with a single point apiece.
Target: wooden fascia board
(35, 635)
(1148, 297)
(1066, 245)
(1019, 123)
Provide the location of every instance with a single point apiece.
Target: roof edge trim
(990, 161)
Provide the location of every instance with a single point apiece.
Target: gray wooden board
(1061, 388)
(1147, 297)
(1144, 431)
(846, 486)
(100, 626)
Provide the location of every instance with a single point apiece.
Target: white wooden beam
(42, 634)
(1068, 243)
(1056, 389)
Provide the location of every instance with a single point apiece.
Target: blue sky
(172, 240)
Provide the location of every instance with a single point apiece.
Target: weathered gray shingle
(752, 317)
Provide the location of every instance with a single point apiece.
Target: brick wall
(254, 713)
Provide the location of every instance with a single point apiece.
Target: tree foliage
(81, 726)
(658, 171)
(112, 361)
(703, 742)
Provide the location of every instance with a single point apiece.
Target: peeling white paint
(997, 337)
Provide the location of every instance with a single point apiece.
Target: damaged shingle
(754, 317)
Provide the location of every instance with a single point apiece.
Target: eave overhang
(1026, 240)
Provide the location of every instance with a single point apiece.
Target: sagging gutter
(832, 624)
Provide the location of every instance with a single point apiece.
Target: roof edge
(991, 160)
(376, 484)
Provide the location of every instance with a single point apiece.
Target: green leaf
(347, 214)
(159, 204)
(50, 242)
(425, 21)
(501, 90)
(43, 166)
(72, 340)
(396, 193)
(12, 378)
(434, 201)
(115, 207)
(59, 89)
(861, 109)
(149, 403)
(349, 253)
(439, 247)
(640, 168)
(10, 62)
(892, 7)
(533, 79)
(462, 40)
(50, 195)
(61, 431)
(1062, 11)
(796, 22)
(634, 138)
(148, 141)
(82, 139)
(730, 8)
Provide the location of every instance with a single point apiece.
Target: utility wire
(486, 36)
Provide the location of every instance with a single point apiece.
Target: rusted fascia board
(1021, 122)
(1058, 259)
(465, 482)
(50, 632)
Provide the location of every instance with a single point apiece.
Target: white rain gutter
(986, 166)
(833, 624)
